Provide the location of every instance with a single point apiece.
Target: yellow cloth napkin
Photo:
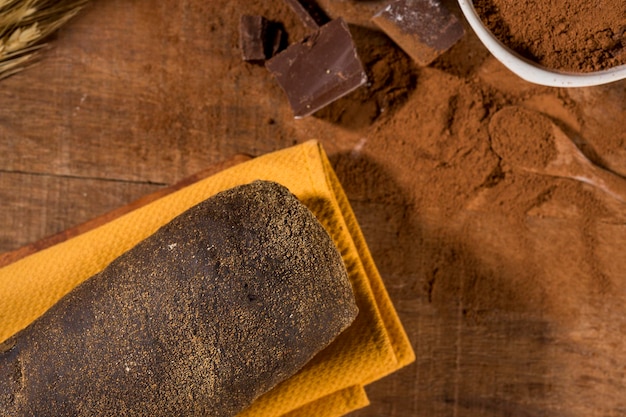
(331, 384)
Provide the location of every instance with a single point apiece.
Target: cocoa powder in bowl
(572, 36)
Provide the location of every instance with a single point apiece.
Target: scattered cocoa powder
(575, 36)
(457, 217)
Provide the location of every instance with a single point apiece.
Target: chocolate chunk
(303, 14)
(275, 37)
(424, 29)
(319, 70)
(252, 37)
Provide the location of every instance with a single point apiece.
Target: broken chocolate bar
(424, 29)
(303, 14)
(319, 70)
(252, 37)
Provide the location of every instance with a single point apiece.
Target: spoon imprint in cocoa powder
(530, 141)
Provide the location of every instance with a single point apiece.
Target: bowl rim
(529, 70)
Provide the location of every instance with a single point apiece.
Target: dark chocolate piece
(214, 309)
(303, 14)
(320, 69)
(424, 29)
(309, 12)
(253, 37)
(275, 37)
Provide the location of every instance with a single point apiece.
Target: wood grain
(38, 205)
(99, 191)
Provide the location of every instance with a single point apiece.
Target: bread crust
(217, 307)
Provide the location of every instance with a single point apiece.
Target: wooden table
(510, 314)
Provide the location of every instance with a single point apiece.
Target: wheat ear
(25, 25)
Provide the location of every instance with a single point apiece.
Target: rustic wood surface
(7, 258)
(136, 96)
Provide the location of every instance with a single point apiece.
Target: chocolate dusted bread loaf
(217, 307)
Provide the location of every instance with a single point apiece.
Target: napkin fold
(331, 384)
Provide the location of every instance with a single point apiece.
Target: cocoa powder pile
(523, 137)
(574, 36)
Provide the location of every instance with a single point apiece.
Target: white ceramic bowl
(531, 71)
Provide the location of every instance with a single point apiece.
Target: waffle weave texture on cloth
(331, 384)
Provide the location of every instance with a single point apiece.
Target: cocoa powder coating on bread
(214, 309)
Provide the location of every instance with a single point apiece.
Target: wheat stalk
(25, 25)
